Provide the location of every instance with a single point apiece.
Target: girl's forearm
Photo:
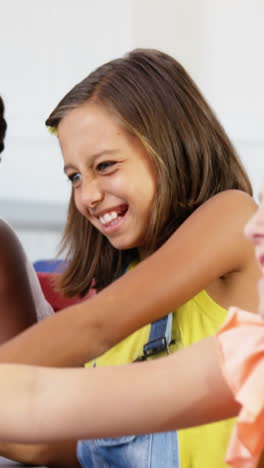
(185, 389)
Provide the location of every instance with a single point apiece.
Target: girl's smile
(112, 174)
(112, 218)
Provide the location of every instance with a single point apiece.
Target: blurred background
(47, 46)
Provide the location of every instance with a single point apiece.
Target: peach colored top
(241, 344)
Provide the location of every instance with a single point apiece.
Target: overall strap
(159, 337)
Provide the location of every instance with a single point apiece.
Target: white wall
(47, 46)
(220, 43)
(235, 68)
(174, 26)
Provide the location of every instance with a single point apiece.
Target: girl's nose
(91, 193)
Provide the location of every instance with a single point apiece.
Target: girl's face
(254, 230)
(112, 175)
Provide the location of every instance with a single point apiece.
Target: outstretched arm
(182, 390)
(207, 246)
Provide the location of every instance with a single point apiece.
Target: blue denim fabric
(144, 451)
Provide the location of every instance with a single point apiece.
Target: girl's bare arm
(185, 389)
(207, 246)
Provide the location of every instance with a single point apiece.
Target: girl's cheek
(78, 204)
(117, 187)
(250, 229)
(255, 225)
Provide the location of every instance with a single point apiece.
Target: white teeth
(107, 217)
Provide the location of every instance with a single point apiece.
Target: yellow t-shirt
(203, 446)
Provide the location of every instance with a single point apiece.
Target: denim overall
(145, 451)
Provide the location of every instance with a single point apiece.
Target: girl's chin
(122, 244)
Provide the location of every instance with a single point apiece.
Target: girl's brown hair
(156, 99)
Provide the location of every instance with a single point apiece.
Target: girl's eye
(103, 166)
(74, 178)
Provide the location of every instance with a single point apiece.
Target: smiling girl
(158, 190)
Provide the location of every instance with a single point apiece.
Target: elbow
(37, 454)
(92, 340)
(101, 339)
(97, 328)
(44, 454)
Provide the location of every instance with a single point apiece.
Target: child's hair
(3, 125)
(156, 100)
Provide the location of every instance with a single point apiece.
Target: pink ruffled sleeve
(241, 344)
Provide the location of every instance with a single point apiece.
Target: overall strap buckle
(155, 346)
(159, 338)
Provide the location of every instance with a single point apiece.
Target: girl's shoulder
(210, 251)
(222, 217)
(216, 230)
(7, 233)
(10, 245)
(230, 201)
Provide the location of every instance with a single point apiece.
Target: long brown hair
(155, 98)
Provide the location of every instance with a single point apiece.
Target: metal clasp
(154, 347)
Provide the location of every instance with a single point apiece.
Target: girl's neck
(143, 253)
